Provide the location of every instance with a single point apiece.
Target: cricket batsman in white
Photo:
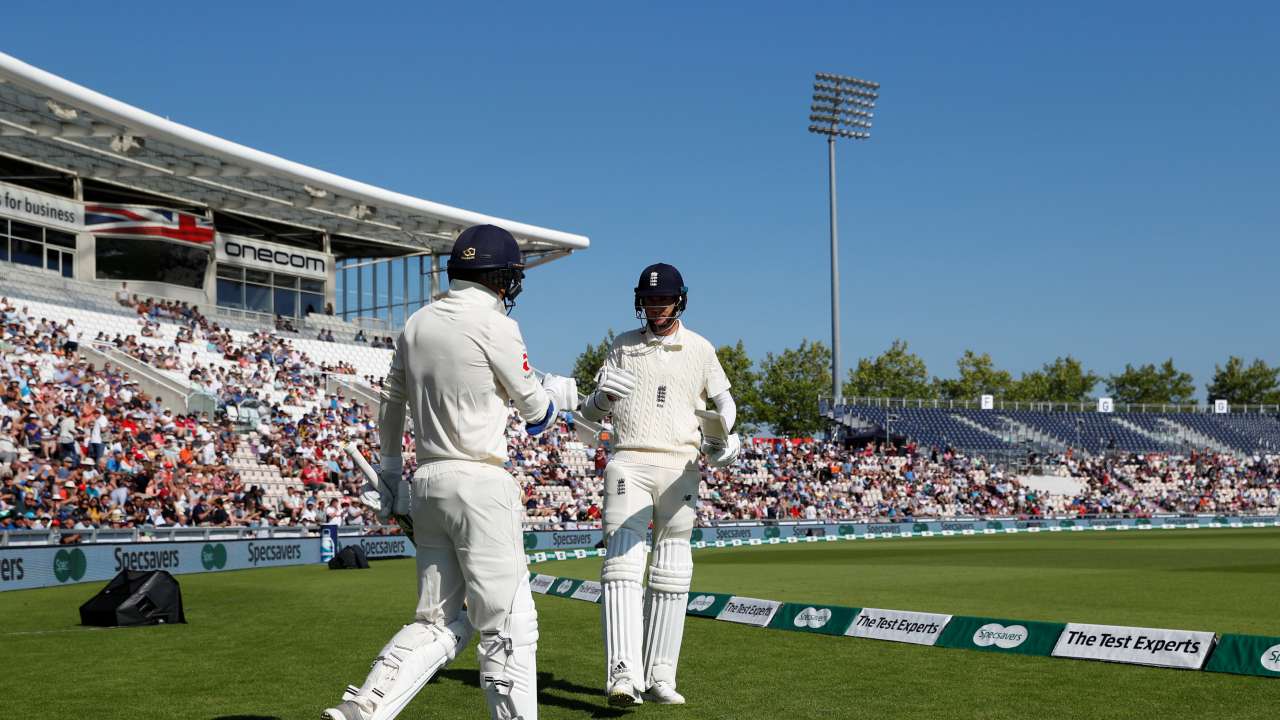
(457, 364)
(653, 382)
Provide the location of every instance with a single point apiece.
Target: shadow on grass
(551, 691)
(246, 717)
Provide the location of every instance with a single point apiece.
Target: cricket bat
(374, 483)
(712, 424)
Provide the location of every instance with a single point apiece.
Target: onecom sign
(262, 255)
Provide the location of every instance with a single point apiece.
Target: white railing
(1042, 406)
(148, 533)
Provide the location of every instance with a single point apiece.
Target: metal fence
(824, 402)
(147, 533)
(39, 538)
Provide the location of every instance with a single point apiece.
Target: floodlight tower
(841, 107)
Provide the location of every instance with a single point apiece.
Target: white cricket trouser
(466, 519)
(637, 494)
(646, 640)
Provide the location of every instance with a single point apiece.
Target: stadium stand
(174, 343)
(144, 465)
(984, 431)
(83, 446)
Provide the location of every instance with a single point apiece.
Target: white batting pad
(508, 661)
(670, 573)
(623, 600)
(406, 663)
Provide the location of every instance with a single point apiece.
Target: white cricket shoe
(346, 710)
(663, 693)
(623, 693)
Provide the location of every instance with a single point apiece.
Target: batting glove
(721, 453)
(615, 384)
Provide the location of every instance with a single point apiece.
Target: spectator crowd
(83, 447)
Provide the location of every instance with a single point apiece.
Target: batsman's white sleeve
(510, 362)
(727, 408)
(391, 409)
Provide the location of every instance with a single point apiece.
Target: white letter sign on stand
(988, 402)
(1106, 405)
(1221, 407)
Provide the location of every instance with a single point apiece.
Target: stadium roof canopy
(48, 120)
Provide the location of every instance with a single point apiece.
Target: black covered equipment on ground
(351, 557)
(135, 598)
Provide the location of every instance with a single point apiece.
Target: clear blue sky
(1099, 179)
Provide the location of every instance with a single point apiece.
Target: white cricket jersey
(675, 374)
(457, 363)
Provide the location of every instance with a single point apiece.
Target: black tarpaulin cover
(135, 598)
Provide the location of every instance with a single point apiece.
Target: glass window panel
(151, 260)
(25, 231)
(68, 266)
(4, 248)
(384, 283)
(416, 280)
(312, 303)
(397, 268)
(257, 298)
(230, 271)
(368, 291)
(261, 277)
(315, 286)
(286, 302)
(352, 302)
(52, 260)
(230, 293)
(61, 239)
(26, 252)
(286, 281)
(397, 316)
(345, 291)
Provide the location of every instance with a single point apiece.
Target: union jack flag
(138, 221)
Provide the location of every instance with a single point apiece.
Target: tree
(895, 373)
(1149, 384)
(1257, 384)
(977, 376)
(1064, 380)
(744, 384)
(790, 384)
(589, 363)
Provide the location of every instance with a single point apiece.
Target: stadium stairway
(1003, 437)
(172, 393)
(268, 477)
(349, 388)
(1188, 430)
(253, 472)
(1010, 431)
(1156, 437)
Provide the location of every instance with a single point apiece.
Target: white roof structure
(48, 120)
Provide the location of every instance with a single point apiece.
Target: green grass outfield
(282, 643)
